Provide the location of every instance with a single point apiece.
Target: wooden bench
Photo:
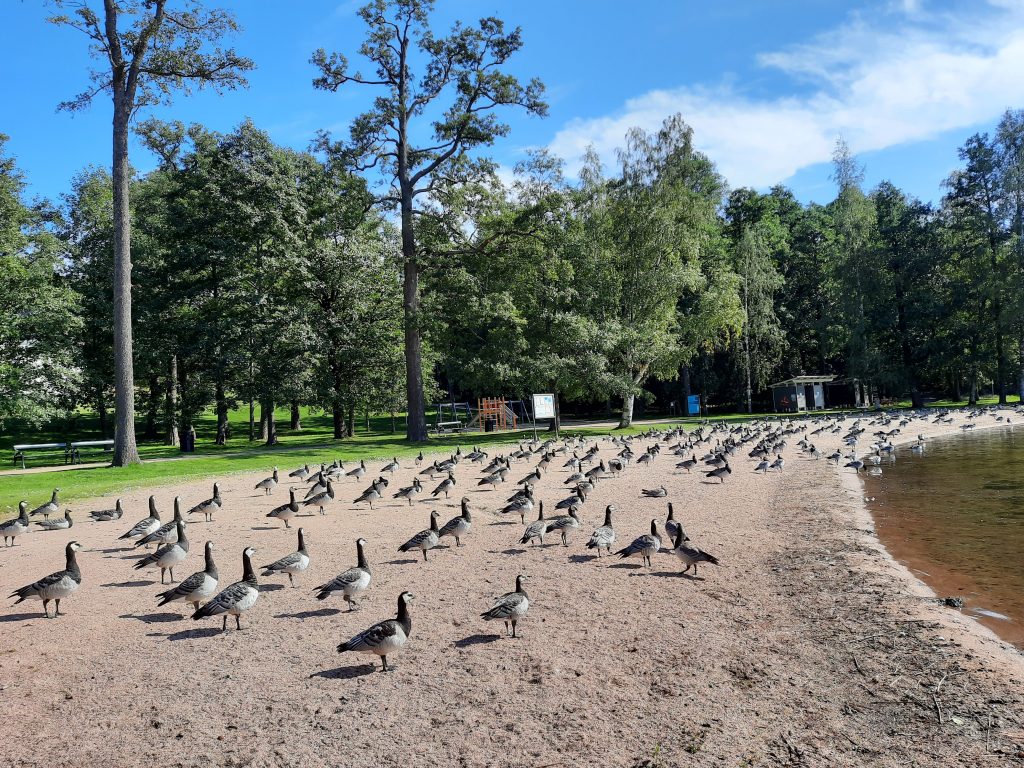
(21, 450)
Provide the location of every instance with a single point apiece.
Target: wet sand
(809, 645)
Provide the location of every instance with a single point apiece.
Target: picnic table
(444, 427)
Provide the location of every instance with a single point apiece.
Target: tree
(458, 93)
(762, 335)
(38, 374)
(163, 49)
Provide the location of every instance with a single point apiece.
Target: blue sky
(768, 86)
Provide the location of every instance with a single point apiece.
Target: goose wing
(284, 562)
(416, 540)
(39, 586)
(507, 606)
(225, 600)
(184, 588)
(374, 637)
(341, 581)
(602, 537)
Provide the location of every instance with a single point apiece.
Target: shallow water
(954, 515)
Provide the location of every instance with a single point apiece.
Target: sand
(807, 646)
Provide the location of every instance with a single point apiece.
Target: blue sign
(693, 405)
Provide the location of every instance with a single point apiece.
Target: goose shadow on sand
(317, 614)
(346, 673)
(20, 617)
(403, 561)
(477, 639)
(190, 634)
(264, 587)
(153, 618)
(129, 584)
(264, 527)
(627, 566)
(581, 558)
(677, 575)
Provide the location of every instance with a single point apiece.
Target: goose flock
(716, 450)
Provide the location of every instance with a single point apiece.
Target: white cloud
(903, 77)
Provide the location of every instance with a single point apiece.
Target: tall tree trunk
(185, 397)
(627, 411)
(252, 420)
(270, 424)
(338, 418)
(1020, 374)
(222, 412)
(366, 419)
(172, 403)
(263, 419)
(394, 426)
(351, 421)
(125, 449)
(416, 429)
(296, 421)
(153, 411)
(685, 389)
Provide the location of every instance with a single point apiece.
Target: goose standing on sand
(672, 526)
(445, 486)
(392, 466)
(198, 587)
(51, 507)
(321, 499)
(286, 511)
(350, 583)
(168, 532)
(107, 515)
(56, 586)
(510, 607)
(146, 525)
(563, 524)
(60, 524)
(720, 472)
(645, 546)
(536, 529)
(268, 484)
(296, 562)
(410, 492)
(358, 472)
(458, 526)
(425, 539)
(384, 637)
(236, 599)
(690, 555)
(169, 555)
(210, 506)
(371, 494)
(12, 529)
(603, 537)
(419, 459)
(301, 473)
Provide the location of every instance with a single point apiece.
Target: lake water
(954, 515)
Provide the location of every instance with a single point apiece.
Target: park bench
(446, 427)
(21, 450)
(75, 449)
(71, 452)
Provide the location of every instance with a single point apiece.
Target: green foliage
(39, 313)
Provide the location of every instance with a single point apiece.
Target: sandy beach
(809, 645)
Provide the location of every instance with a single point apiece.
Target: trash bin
(490, 424)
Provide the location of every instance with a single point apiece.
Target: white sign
(543, 407)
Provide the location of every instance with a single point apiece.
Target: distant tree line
(376, 273)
